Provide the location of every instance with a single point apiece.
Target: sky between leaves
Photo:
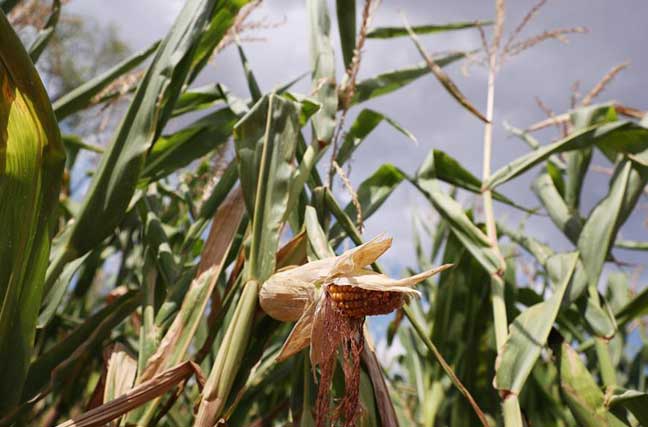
(617, 34)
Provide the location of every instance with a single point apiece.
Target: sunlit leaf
(31, 168)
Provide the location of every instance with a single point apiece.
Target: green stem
(512, 413)
(228, 360)
(605, 362)
(510, 405)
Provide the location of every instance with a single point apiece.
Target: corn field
(213, 276)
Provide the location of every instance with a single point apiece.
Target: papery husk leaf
(286, 299)
(300, 336)
(372, 281)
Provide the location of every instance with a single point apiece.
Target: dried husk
(330, 317)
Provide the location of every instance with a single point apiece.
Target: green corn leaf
(316, 237)
(468, 233)
(529, 332)
(392, 32)
(581, 393)
(600, 229)
(31, 167)
(322, 61)
(82, 97)
(631, 245)
(174, 151)
(568, 221)
(362, 126)
(114, 183)
(175, 344)
(537, 249)
(391, 81)
(43, 37)
(371, 194)
(636, 307)
(578, 161)
(55, 297)
(597, 315)
(59, 363)
(533, 143)
(632, 400)
(265, 141)
(223, 15)
(346, 17)
(439, 164)
(197, 99)
(253, 85)
(620, 136)
(593, 114)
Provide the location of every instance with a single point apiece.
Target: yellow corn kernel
(352, 301)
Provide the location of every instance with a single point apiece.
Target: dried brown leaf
(134, 398)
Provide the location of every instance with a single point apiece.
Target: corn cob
(352, 301)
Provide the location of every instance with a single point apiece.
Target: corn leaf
(253, 85)
(265, 141)
(620, 136)
(175, 344)
(393, 32)
(322, 61)
(31, 167)
(55, 297)
(223, 15)
(58, 364)
(83, 96)
(391, 81)
(317, 239)
(529, 332)
(174, 151)
(632, 400)
(197, 99)
(114, 182)
(636, 307)
(346, 17)
(600, 229)
(371, 194)
(631, 245)
(362, 126)
(439, 164)
(567, 220)
(582, 395)
(468, 233)
(43, 37)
